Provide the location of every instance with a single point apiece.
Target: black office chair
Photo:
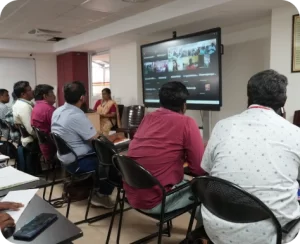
(105, 150)
(138, 177)
(121, 109)
(32, 150)
(64, 149)
(3, 126)
(135, 115)
(233, 204)
(52, 164)
(13, 129)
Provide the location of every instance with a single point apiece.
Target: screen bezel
(210, 107)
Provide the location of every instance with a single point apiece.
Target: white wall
(240, 62)
(125, 74)
(281, 53)
(46, 68)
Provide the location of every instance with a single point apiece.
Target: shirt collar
(26, 101)
(70, 106)
(260, 107)
(42, 101)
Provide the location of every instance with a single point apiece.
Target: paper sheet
(23, 196)
(10, 177)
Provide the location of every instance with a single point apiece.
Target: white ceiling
(71, 17)
(94, 30)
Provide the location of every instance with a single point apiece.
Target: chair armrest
(176, 189)
(124, 130)
(289, 226)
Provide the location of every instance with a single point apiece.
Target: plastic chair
(138, 177)
(63, 149)
(105, 150)
(45, 139)
(3, 126)
(230, 202)
(13, 129)
(135, 115)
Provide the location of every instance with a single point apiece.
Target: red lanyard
(258, 106)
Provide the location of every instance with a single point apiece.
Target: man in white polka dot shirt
(259, 151)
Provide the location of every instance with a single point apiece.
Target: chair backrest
(3, 125)
(105, 150)
(43, 137)
(121, 110)
(231, 203)
(135, 114)
(62, 147)
(134, 174)
(24, 133)
(297, 118)
(13, 128)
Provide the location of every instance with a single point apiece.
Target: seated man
(42, 114)
(259, 151)
(4, 109)
(73, 126)
(165, 140)
(22, 110)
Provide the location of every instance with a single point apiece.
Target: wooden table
(62, 231)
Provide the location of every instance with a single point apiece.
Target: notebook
(10, 177)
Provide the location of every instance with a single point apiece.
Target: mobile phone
(36, 226)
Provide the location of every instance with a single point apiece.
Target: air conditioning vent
(43, 31)
(56, 39)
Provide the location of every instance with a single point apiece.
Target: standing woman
(109, 113)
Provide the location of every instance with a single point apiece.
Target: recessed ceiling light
(134, 1)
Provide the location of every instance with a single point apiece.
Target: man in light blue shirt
(4, 109)
(73, 126)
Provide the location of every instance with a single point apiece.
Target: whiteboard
(13, 70)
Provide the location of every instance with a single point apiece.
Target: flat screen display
(194, 60)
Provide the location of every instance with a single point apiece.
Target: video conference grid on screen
(193, 61)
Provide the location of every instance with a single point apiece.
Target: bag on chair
(79, 189)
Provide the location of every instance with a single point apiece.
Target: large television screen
(195, 60)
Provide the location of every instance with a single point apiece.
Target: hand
(6, 221)
(10, 206)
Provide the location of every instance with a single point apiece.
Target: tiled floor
(135, 225)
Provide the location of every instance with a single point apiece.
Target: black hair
(14, 96)
(267, 88)
(3, 91)
(20, 87)
(74, 91)
(173, 96)
(41, 90)
(107, 90)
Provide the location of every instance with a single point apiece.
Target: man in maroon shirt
(41, 115)
(165, 140)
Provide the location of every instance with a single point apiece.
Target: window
(100, 70)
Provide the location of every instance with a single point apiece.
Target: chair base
(144, 240)
(103, 216)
